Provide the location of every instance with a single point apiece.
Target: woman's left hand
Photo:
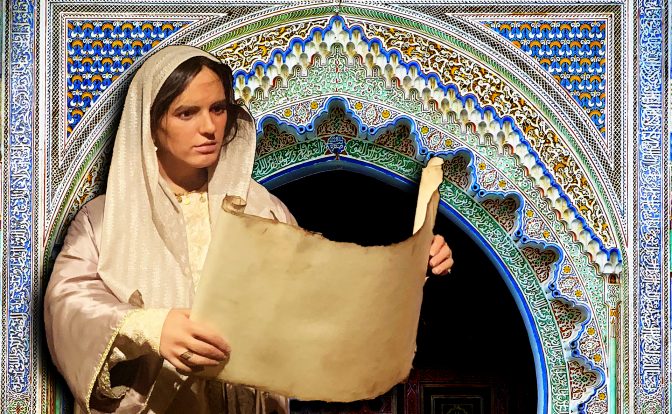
(440, 256)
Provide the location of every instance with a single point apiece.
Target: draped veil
(144, 246)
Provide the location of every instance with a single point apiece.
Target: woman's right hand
(189, 345)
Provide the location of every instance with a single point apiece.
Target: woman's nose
(208, 125)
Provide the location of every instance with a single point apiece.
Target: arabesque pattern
(574, 52)
(387, 67)
(98, 51)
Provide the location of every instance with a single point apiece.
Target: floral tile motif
(99, 51)
(574, 52)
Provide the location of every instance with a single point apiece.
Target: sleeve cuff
(143, 328)
(139, 334)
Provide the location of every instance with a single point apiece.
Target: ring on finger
(186, 355)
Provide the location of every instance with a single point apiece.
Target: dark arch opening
(473, 351)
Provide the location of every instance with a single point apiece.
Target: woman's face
(191, 132)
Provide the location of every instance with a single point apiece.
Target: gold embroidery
(139, 327)
(103, 359)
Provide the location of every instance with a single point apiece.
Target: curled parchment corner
(311, 318)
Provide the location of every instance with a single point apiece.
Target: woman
(116, 308)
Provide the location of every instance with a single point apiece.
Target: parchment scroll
(311, 318)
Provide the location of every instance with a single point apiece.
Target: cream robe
(83, 324)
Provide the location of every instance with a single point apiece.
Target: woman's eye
(185, 114)
(219, 109)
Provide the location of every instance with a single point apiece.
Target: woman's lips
(208, 148)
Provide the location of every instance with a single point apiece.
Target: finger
(437, 242)
(443, 267)
(450, 251)
(180, 366)
(197, 360)
(442, 255)
(206, 334)
(207, 350)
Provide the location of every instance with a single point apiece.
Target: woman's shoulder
(91, 213)
(95, 207)
(95, 204)
(87, 223)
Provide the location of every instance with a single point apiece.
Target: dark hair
(177, 82)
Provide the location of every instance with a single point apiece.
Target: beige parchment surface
(311, 318)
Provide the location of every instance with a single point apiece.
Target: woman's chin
(204, 161)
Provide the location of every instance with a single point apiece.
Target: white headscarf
(144, 243)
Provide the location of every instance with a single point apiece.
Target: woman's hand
(189, 345)
(440, 256)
